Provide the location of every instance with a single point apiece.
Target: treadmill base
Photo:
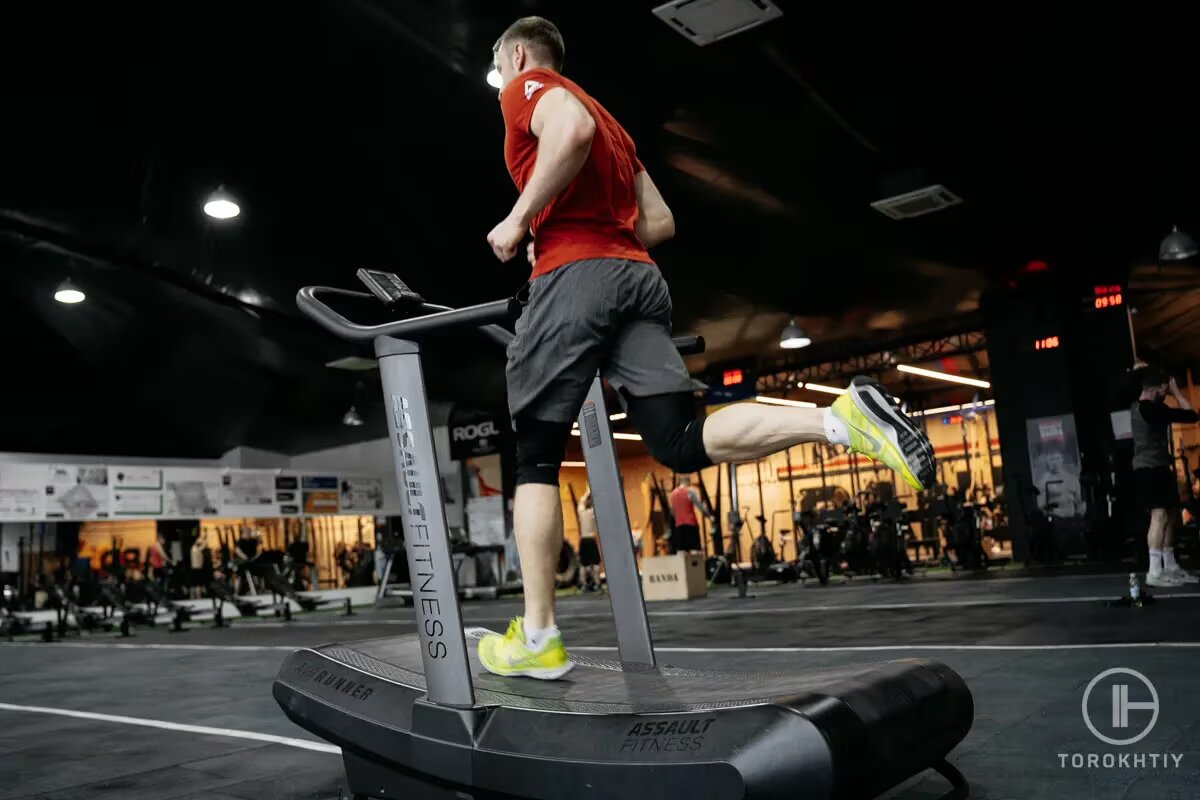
(368, 779)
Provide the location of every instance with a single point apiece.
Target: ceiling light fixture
(943, 409)
(943, 376)
(221, 206)
(816, 387)
(1177, 246)
(493, 78)
(793, 337)
(779, 401)
(69, 293)
(574, 464)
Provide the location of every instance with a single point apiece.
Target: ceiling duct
(912, 192)
(917, 203)
(708, 21)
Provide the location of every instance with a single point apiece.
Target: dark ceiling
(359, 133)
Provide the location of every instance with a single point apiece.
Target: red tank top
(596, 215)
(682, 508)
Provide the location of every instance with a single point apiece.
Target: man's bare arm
(1180, 397)
(699, 503)
(564, 128)
(656, 223)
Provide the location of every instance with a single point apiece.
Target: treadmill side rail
(612, 525)
(427, 543)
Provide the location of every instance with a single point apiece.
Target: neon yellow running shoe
(508, 655)
(882, 432)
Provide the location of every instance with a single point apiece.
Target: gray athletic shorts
(604, 314)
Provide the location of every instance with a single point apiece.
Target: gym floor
(190, 715)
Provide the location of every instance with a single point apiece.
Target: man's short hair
(1152, 378)
(540, 35)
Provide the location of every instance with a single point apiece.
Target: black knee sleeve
(540, 448)
(670, 429)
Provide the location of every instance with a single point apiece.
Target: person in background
(685, 502)
(201, 573)
(380, 559)
(589, 548)
(1153, 472)
(246, 557)
(157, 557)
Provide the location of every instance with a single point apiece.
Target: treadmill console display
(388, 287)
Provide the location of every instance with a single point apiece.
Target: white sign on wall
(192, 492)
(76, 492)
(362, 495)
(21, 491)
(249, 493)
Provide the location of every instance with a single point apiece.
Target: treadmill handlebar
(689, 345)
(483, 315)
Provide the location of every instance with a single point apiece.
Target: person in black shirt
(1153, 472)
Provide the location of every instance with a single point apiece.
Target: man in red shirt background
(597, 302)
(685, 502)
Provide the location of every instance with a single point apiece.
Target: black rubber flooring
(1027, 647)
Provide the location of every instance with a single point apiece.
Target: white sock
(1169, 562)
(1156, 562)
(835, 430)
(536, 637)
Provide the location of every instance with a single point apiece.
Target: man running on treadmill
(598, 302)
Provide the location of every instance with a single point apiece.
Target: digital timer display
(1108, 296)
(732, 377)
(1046, 343)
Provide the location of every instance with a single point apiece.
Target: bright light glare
(222, 208)
(944, 376)
(943, 409)
(69, 296)
(574, 464)
(493, 79)
(779, 401)
(795, 343)
(633, 437)
(620, 415)
(816, 387)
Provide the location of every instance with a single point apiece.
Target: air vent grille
(918, 203)
(708, 21)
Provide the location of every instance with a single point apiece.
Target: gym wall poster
(192, 493)
(362, 495)
(1054, 459)
(249, 493)
(22, 488)
(76, 492)
(58, 492)
(320, 494)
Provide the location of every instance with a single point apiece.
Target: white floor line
(230, 733)
(906, 647)
(664, 648)
(130, 646)
(804, 609)
(797, 609)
